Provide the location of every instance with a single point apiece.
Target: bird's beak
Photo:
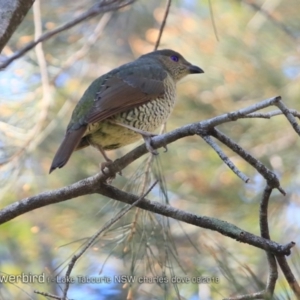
(195, 70)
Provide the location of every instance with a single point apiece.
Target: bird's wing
(120, 94)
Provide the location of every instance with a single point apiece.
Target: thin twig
(258, 295)
(97, 234)
(264, 231)
(261, 168)
(16, 285)
(273, 273)
(146, 180)
(213, 19)
(95, 10)
(270, 114)
(225, 158)
(279, 24)
(263, 212)
(46, 96)
(163, 23)
(235, 115)
(286, 270)
(48, 295)
(90, 41)
(289, 116)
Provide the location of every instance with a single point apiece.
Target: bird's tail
(66, 148)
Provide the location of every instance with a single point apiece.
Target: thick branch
(12, 13)
(220, 226)
(93, 185)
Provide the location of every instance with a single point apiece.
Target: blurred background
(249, 51)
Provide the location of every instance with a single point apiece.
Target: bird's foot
(107, 164)
(147, 139)
(165, 147)
(104, 166)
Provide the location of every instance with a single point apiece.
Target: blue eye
(175, 58)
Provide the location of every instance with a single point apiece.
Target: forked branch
(205, 129)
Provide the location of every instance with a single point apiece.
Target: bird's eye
(175, 58)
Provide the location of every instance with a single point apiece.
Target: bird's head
(176, 65)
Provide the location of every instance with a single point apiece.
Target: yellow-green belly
(110, 136)
(147, 117)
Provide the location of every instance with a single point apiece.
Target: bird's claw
(106, 164)
(149, 146)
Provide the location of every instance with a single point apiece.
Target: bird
(125, 104)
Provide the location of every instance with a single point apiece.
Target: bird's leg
(108, 161)
(163, 130)
(145, 134)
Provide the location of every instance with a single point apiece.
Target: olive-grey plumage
(127, 102)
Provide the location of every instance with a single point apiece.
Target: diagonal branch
(286, 270)
(99, 8)
(270, 177)
(289, 115)
(225, 158)
(271, 18)
(93, 185)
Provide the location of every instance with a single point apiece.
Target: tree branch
(163, 23)
(268, 15)
(102, 7)
(12, 13)
(225, 158)
(286, 270)
(97, 183)
(270, 177)
(264, 231)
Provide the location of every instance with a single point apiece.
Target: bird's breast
(152, 114)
